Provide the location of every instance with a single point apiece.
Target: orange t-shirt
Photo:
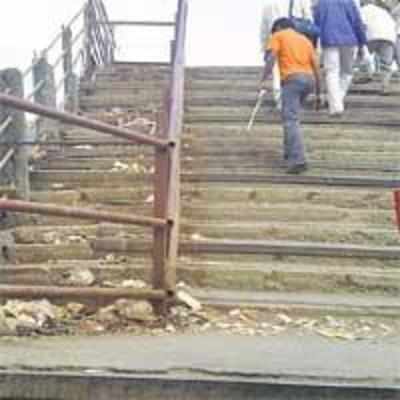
(294, 52)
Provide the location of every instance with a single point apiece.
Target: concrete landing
(283, 358)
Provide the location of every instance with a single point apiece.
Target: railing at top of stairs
(97, 49)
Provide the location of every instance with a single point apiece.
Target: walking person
(381, 36)
(299, 69)
(396, 15)
(272, 11)
(341, 34)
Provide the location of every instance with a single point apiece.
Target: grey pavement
(284, 356)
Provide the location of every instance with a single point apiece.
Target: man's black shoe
(297, 169)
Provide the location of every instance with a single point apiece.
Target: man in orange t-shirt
(300, 74)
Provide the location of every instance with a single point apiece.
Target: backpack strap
(291, 6)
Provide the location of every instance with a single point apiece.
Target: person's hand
(263, 85)
(360, 54)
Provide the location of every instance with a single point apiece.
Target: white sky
(221, 32)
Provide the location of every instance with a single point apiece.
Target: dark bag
(303, 25)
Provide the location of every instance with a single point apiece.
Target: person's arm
(269, 60)
(359, 29)
(271, 54)
(317, 75)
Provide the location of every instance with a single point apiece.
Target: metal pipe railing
(84, 294)
(73, 119)
(98, 49)
(81, 213)
(7, 158)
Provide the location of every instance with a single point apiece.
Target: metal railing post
(16, 169)
(160, 235)
(43, 77)
(70, 79)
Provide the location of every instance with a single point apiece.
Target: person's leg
(369, 62)
(293, 91)
(331, 61)
(397, 52)
(385, 52)
(347, 59)
(276, 86)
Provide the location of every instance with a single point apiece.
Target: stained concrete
(288, 357)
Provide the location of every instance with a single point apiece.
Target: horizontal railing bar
(29, 69)
(75, 212)
(68, 144)
(79, 293)
(76, 16)
(77, 37)
(76, 59)
(59, 36)
(7, 122)
(7, 157)
(53, 43)
(63, 53)
(82, 122)
(139, 23)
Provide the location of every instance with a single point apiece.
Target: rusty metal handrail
(100, 44)
(139, 23)
(82, 122)
(75, 212)
(98, 295)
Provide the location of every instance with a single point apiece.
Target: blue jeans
(295, 90)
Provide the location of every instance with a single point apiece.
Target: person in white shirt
(273, 10)
(396, 16)
(381, 36)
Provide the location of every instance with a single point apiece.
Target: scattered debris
(25, 318)
(133, 284)
(79, 277)
(188, 300)
(43, 318)
(150, 199)
(135, 310)
(58, 186)
(120, 166)
(197, 236)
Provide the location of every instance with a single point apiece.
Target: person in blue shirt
(342, 32)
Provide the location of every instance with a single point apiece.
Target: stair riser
(361, 235)
(224, 279)
(240, 194)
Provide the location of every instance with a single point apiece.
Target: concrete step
(64, 179)
(303, 303)
(264, 276)
(223, 95)
(258, 162)
(245, 247)
(73, 179)
(312, 177)
(241, 115)
(43, 253)
(301, 231)
(256, 194)
(307, 232)
(280, 277)
(291, 212)
(203, 133)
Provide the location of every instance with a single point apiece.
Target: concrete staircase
(250, 233)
